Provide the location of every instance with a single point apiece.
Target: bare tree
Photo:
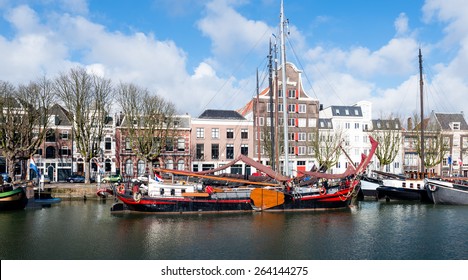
(435, 146)
(149, 121)
(387, 131)
(327, 147)
(24, 117)
(88, 99)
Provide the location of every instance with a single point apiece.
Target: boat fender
(121, 189)
(137, 197)
(323, 190)
(432, 188)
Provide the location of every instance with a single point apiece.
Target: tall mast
(421, 92)
(285, 104)
(272, 122)
(256, 119)
(275, 84)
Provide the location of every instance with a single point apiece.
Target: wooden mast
(256, 120)
(421, 93)
(285, 95)
(272, 107)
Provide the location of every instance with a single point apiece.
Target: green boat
(12, 198)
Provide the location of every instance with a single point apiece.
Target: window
(181, 144)
(261, 121)
(64, 135)
(108, 165)
(230, 133)
(50, 152)
(245, 149)
(280, 107)
(291, 136)
(291, 150)
(291, 122)
(214, 151)
(180, 164)
(169, 145)
(244, 133)
(280, 93)
(200, 151)
(301, 150)
(129, 167)
(291, 108)
(302, 108)
(64, 151)
(215, 133)
(301, 122)
(207, 167)
(169, 164)
(128, 144)
(50, 135)
(347, 125)
(200, 133)
(141, 168)
(302, 136)
(236, 169)
(230, 151)
(356, 125)
(347, 112)
(108, 143)
(456, 126)
(292, 93)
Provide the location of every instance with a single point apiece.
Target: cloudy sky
(204, 54)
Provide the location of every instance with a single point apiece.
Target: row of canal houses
(216, 137)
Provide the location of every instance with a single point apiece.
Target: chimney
(410, 124)
(320, 107)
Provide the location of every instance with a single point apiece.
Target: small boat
(452, 191)
(43, 197)
(12, 198)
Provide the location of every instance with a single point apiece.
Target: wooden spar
(180, 172)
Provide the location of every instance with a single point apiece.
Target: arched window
(169, 164)
(50, 152)
(129, 167)
(141, 168)
(180, 164)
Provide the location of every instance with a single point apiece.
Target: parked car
(76, 179)
(112, 179)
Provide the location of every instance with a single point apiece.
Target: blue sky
(204, 54)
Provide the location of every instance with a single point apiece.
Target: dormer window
(455, 126)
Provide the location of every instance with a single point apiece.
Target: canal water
(87, 230)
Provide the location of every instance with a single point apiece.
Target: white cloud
(231, 33)
(401, 24)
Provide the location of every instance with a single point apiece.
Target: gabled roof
(221, 114)
(61, 115)
(447, 119)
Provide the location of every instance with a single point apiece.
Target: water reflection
(372, 230)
